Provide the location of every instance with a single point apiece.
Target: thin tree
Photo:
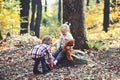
(73, 12)
(24, 14)
(45, 5)
(87, 3)
(106, 15)
(45, 10)
(97, 1)
(35, 22)
(1, 35)
(59, 11)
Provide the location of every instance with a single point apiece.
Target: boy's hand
(51, 64)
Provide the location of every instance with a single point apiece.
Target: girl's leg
(57, 52)
(59, 57)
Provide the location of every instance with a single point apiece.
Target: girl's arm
(59, 42)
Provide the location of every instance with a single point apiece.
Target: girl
(64, 37)
(39, 52)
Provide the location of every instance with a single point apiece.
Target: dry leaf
(67, 78)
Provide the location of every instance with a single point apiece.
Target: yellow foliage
(94, 24)
(9, 19)
(101, 35)
(44, 31)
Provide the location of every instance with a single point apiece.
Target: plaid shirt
(40, 51)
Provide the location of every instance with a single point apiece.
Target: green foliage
(10, 21)
(50, 24)
(12, 5)
(97, 45)
(53, 31)
(50, 16)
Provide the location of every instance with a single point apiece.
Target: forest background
(10, 19)
(102, 56)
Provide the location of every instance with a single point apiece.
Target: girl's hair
(46, 38)
(65, 26)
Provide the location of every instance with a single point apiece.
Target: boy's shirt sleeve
(49, 53)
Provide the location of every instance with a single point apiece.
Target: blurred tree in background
(106, 15)
(36, 19)
(24, 15)
(59, 10)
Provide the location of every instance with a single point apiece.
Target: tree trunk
(73, 12)
(35, 24)
(24, 14)
(1, 36)
(88, 1)
(79, 57)
(59, 11)
(106, 15)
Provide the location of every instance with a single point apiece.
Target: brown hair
(46, 38)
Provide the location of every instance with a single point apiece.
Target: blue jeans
(59, 54)
(43, 63)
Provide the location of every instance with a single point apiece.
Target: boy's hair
(65, 26)
(46, 38)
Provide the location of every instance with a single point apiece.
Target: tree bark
(73, 12)
(59, 11)
(35, 24)
(24, 14)
(1, 36)
(106, 15)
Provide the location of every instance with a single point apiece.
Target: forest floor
(15, 64)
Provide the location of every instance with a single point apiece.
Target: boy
(39, 52)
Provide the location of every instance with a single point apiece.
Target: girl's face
(64, 32)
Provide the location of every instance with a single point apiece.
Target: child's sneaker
(55, 62)
(37, 72)
(46, 71)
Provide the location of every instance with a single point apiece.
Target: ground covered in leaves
(15, 64)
